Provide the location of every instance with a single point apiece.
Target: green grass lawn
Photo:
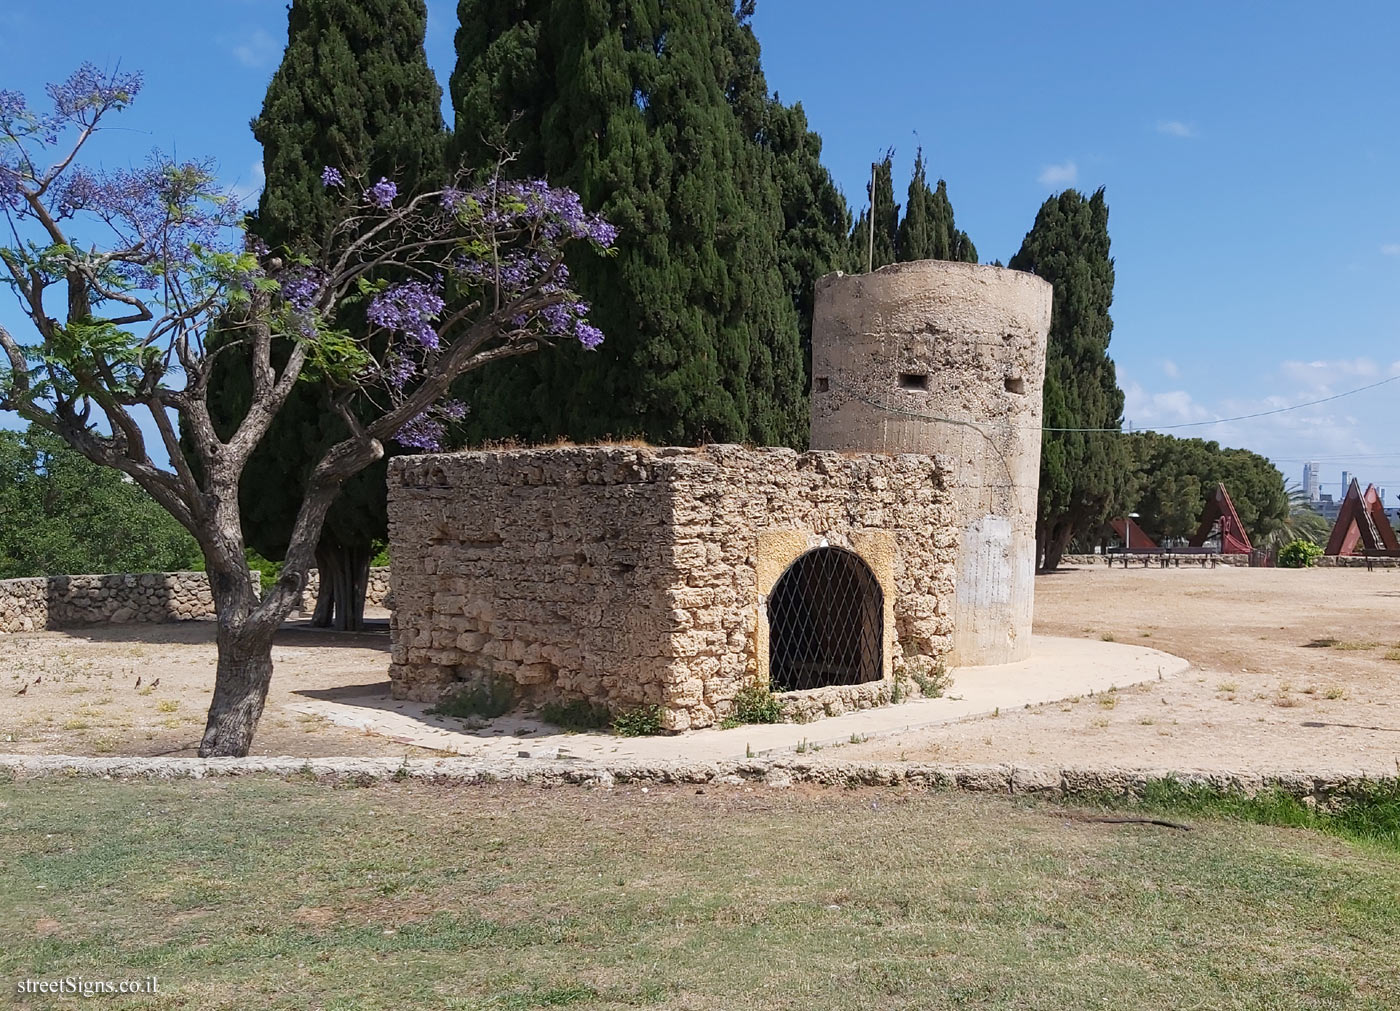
(262, 893)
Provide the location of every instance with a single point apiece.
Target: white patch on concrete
(984, 568)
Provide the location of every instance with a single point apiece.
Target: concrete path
(1058, 669)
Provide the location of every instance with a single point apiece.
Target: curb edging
(1319, 786)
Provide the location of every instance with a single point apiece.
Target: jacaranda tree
(121, 273)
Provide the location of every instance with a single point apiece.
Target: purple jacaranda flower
(399, 370)
(12, 105)
(91, 91)
(382, 193)
(330, 176)
(422, 432)
(408, 308)
(300, 288)
(588, 335)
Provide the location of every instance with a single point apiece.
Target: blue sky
(1251, 159)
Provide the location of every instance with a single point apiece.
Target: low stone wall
(1355, 562)
(1325, 788)
(28, 605)
(376, 594)
(1239, 561)
(31, 605)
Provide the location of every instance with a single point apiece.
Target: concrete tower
(948, 358)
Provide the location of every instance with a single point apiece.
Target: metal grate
(825, 623)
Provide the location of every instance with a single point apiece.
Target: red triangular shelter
(1125, 525)
(1362, 527)
(1220, 510)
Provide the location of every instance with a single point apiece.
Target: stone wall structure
(948, 358)
(376, 591)
(633, 577)
(30, 605)
(51, 602)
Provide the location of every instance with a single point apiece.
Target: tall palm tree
(1302, 523)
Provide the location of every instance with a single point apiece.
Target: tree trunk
(344, 574)
(1056, 539)
(325, 592)
(240, 689)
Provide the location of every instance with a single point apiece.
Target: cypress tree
(651, 113)
(881, 251)
(354, 91)
(816, 222)
(1083, 474)
(928, 231)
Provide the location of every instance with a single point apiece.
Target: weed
(1360, 644)
(1392, 654)
(167, 706)
(643, 721)
(490, 698)
(935, 682)
(1227, 686)
(1335, 692)
(1108, 637)
(859, 738)
(1286, 701)
(756, 704)
(576, 715)
(76, 724)
(1109, 701)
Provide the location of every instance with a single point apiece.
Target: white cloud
(1391, 249)
(1175, 128)
(1169, 369)
(258, 51)
(1065, 174)
(247, 193)
(1327, 377)
(1345, 433)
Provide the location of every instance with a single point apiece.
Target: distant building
(1328, 507)
(1312, 482)
(1346, 483)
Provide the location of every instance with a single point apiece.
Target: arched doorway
(825, 623)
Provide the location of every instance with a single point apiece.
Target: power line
(1282, 410)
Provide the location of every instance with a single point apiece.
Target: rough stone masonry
(629, 576)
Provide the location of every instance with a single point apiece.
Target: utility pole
(870, 251)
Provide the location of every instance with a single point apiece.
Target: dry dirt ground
(82, 696)
(1294, 669)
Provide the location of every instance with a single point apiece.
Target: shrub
(577, 714)
(1299, 554)
(644, 721)
(490, 698)
(756, 704)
